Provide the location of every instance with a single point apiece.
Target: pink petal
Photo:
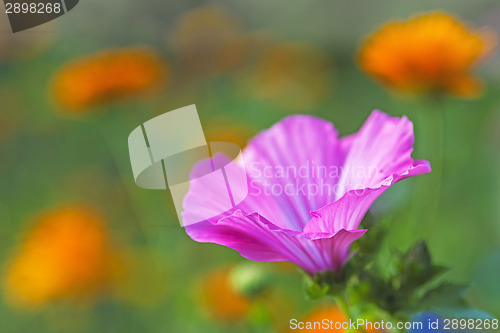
(294, 145)
(381, 148)
(257, 239)
(348, 211)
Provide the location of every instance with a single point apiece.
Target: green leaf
(446, 295)
(313, 288)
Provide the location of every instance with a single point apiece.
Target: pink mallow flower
(308, 190)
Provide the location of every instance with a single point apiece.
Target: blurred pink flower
(308, 190)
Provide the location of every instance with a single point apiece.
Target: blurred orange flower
(318, 315)
(294, 75)
(107, 76)
(432, 53)
(221, 299)
(315, 321)
(66, 255)
(210, 39)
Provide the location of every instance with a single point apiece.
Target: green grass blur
(49, 158)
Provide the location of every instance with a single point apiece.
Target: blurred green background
(50, 157)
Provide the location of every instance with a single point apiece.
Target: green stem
(342, 304)
(426, 199)
(107, 130)
(344, 307)
(436, 151)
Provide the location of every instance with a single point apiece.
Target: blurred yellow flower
(210, 39)
(429, 53)
(221, 300)
(284, 267)
(295, 76)
(219, 129)
(66, 255)
(107, 76)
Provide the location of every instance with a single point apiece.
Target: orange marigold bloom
(67, 254)
(107, 76)
(220, 298)
(432, 53)
(314, 321)
(317, 316)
